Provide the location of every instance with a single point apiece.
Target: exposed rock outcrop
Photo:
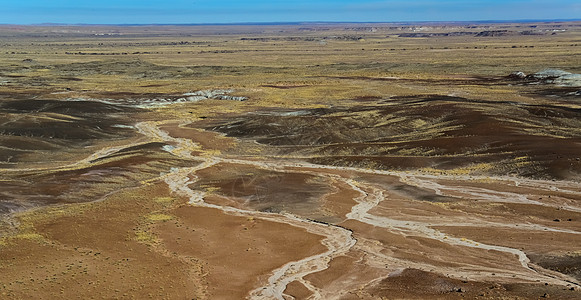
(162, 100)
(549, 76)
(517, 75)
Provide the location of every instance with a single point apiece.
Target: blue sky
(230, 11)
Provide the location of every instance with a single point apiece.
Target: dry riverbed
(361, 170)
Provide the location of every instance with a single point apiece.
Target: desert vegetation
(308, 161)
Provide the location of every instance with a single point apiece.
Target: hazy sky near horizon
(230, 11)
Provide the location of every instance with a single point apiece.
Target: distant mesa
(486, 33)
(493, 33)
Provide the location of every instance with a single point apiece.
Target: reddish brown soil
(93, 252)
(207, 139)
(411, 284)
(232, 250)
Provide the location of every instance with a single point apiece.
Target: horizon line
(295, 23)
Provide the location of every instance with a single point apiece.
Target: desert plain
(291, 161)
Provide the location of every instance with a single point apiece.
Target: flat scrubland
(314, 161)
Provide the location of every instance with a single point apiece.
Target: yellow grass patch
(29, 236)
(164, 200)
(474, 168)
(145, 237)
(159, 217)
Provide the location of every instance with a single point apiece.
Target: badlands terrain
(300, 161)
